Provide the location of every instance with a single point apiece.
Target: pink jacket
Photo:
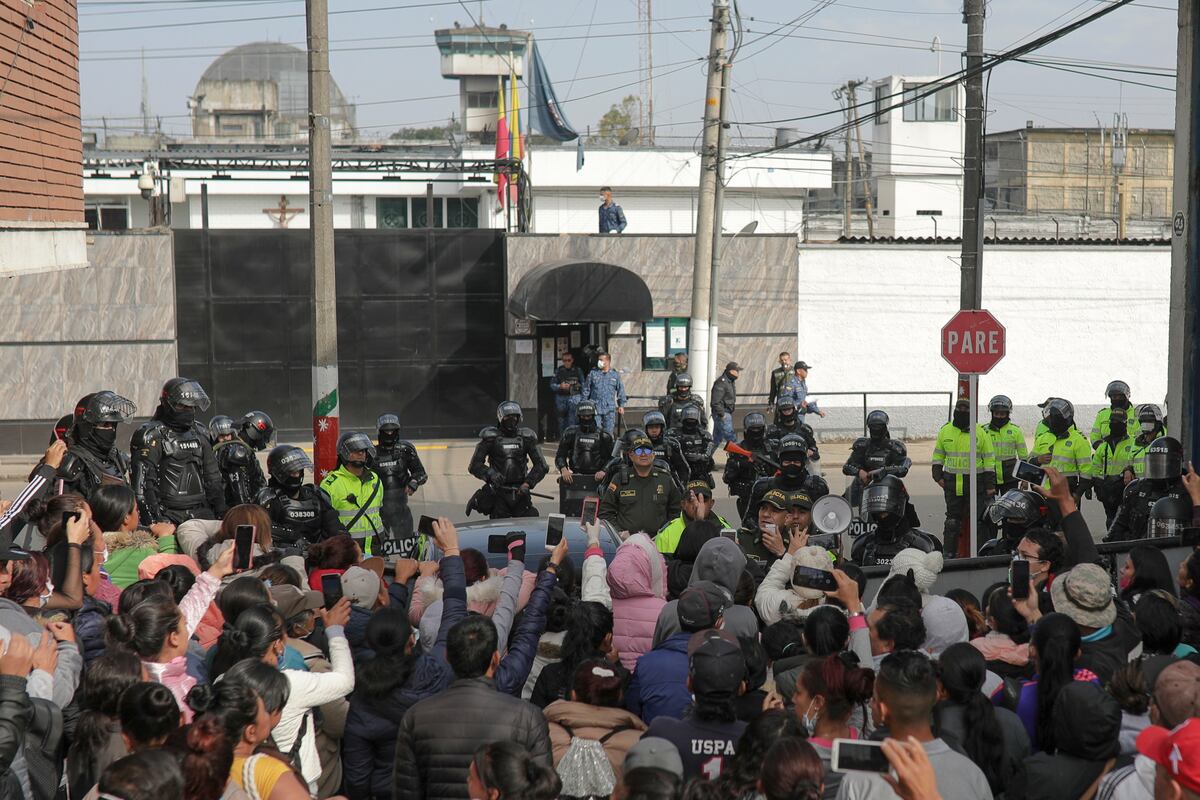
(482, 596)
(637, 579)
(173, 674)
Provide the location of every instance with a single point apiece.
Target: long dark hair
(743, 770)
(145, 627)
(961, 670)
(1006, 617)
(508, 768)
(826, 631)
(792, 770)
(105, 680)
(111, 504)
(388, 632)
(240, 594)
(1150, 571)
(1056, 640)
(842, 684)
(250, 636)
(207, 756)
(589, 624)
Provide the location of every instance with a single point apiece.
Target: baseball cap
(700, 487)
(1176, 691)
(732, 365)
(1177, 751)
(360, 586)
(653, 751)
(775, 498)
(801, 499)
(1085, 595)
(802, 365)
(715, 663)
(701, 605)
(640, 441)
(293, 601)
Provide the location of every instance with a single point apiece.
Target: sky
(384, 59)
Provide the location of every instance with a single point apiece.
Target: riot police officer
(300, 513)
(175, 474)
(885, 503)
(400, 469)
(787, 422)
(500, 462)
(1151, 425)
(667, 447)
(1169, 516)
(220, 429)
(1008, 441)
(740, 471)
(93, 458)
(241, 473)
(673, 404)
(792, 476)
(1012, 514)
(874, 456)
(1117, 393)
(696, 444)
(356, 491)
(1163, 477)
(583, 451)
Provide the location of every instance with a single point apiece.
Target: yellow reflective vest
(1071, 455)
(952, 453)
(1100, 426)
(350, 494)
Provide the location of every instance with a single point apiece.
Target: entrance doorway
(584, 340)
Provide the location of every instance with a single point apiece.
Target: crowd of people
(169, 639)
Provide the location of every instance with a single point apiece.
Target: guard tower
(476, 56)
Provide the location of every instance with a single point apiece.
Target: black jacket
(439, 736)
(724, 394)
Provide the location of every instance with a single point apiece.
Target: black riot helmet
(884, 500)
(1059, 415)
(257, 429)
(816, 487)
(1164, 459)
(283, 461)
(785, 409)
(652, 418)
(96, 426)
(220, 427)
(1150, 418)
(683, 384)
(689, 418)
(877, 424)
(1169, 516)
(1018, 508)
(793, 456)
(509, 415)
(181, 398)
(1000, 402)
(755, 425)
(352, 442)
(388, 426)
(1117, 393)
(585, 413)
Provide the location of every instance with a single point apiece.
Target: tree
(616, 126)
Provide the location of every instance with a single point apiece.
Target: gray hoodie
(721, 561)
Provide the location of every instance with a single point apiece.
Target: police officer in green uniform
(766, 539)
(1151, 425)
(641, 496)
(1112, 457)
(1117, 393)
(1008, 442)
(355, 491)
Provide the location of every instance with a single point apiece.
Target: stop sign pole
(973, 342)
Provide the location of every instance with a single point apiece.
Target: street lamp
(715, 301)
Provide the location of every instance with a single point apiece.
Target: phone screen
(1024, 471)
(243, 539)
(554, 530)
(425, 526)
(1020, 579)
(498, 543)
(331, 587)
(729, 533)
(813, 578)
(591, 506)
(853, 755)
(69, 516)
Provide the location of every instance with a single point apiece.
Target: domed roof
(284, 64)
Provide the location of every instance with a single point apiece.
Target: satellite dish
(831, 514)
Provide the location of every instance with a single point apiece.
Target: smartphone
(331, 587)
(1020, 579)
(498, 543)
(729, 533)
(425, 526)
(1030, 473)
(243, 539)
(813, 578)
(859, 755)
(69, 516)
(769, 527)
(591, 507)
(554, 529)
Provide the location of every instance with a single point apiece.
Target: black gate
(420, 325)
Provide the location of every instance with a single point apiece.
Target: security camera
(146, 185)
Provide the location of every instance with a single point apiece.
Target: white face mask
(810, 722)
(45, 596)
(1148, 427)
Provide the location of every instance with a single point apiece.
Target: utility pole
(705, 220)
(971, 289)
(320, 216)
(718, 226)
(848, 188)
(852, 88)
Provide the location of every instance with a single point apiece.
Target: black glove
(515, 540)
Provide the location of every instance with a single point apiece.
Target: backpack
(584, 768)
(44, 749)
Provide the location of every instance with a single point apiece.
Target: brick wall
(41, 177)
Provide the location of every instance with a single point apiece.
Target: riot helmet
(1018, 508)
(1001, 407)
(785, 409)
(683, 384)
(350, 444)
(62, 428)
(1059, 415)
(1118, 424)
(690, 419)
(181, 398)
(585, 413)
(877, 425)
(1168, 517)
(257, 429)
(884, 501)
(388, 427)
(652, 418)
(816, 487)
(1117, 393)
(793, 456)
(755, 425)
(284, 461)
(220, 429)
(509, 415)
(1164, 459)
(1150, 418)
(96, 426)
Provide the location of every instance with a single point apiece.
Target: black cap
(801, 365)
(715, 663)
(700, 487)
(701, 605)
(732, 365)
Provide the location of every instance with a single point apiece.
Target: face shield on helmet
(786, 409)
(286, 460)
(877, 424)
(388, 426)
(257, 430)
(1059, 415)
(1150, 417)
(354, 448)
(690, 419)
(793, 456)
(585, 413)
(1164, 459)
(184, 393)
(651, 419)
(220, 428)
(1016, 507)
(755, 425)
(509, 415)
(883, 500)
(108, 407)
(1118, 394)
(1168, 517)
(683, 385)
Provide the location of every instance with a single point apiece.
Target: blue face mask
(810, 722)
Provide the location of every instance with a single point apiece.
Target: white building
(917, 158)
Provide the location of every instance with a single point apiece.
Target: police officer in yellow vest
(697, 504)
(1112, 458)
(952, 471)
(1151, 425)
(1008, 442)
(1063, 447)
(1117, 393)
(356, 492)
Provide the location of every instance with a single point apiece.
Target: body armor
(175, 474)
(241, 474)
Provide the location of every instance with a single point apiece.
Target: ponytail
(508, 768)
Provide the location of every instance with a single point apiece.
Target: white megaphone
(831, 517)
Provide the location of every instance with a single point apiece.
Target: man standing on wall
(612, 218)
(604, 388)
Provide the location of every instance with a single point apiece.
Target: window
(937, 107)
(882, 101)
(483, 100)
(420, 217)
(462, 212)
(106, 218)
(448, 212)
(391, 212)
(662, 338)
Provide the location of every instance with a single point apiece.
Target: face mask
(754, 434)
(998, 422)
(182, 418)
(388, 438)
(586, 423)
(691, 425)
(792, 470)
(1057, 424)
(1121, 403)
(45, 596)
(810, 722)
(508, 425)
(1124, 583)
(876, 432)
(1117, 427)
(101, 439)
(1148, 427)
(356, 464)
(293, 481)
(962, 419)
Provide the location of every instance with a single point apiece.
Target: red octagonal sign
(973, 342)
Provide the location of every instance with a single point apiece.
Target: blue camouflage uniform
(606, 390)
(797, 389)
